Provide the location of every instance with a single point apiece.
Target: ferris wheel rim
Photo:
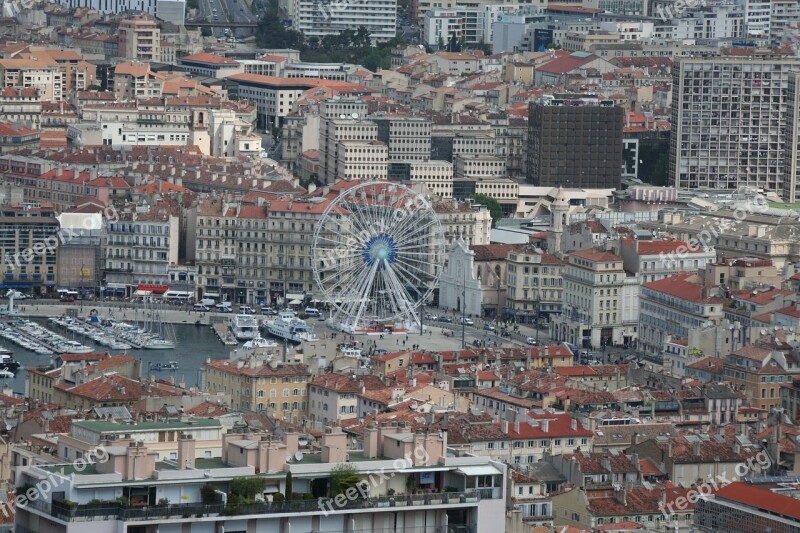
(408, 257)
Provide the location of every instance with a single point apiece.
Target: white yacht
(244, 327)
(287, 326)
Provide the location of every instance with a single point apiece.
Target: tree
(247, 487)
(104, 79)
(94, 87)
(494, 206)
(440, 42)
(362, 38)
(343, 476)
(454, 45)
(289, 487)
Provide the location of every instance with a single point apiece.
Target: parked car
(67, 299)
(246, 310)
(532, 341)
(200, 308)
(445, 319)
(467, 321)
(488, 326)
(429, 316)
(268, 311)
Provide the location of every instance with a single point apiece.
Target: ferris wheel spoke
(413, 267)
(417, 231)
(403, 302)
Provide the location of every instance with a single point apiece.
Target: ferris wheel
(378, 252)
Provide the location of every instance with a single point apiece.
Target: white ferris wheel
(377, 255)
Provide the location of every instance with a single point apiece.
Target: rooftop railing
(71, 512)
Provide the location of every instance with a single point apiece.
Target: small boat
(244, 327)
(7, 362)
(6, 374)
(287, 326)
(158, 344)
(169, 365)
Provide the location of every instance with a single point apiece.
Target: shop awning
(154, 289)
(116, 286)
(294, 296)
(142, 293)
(483, 470)
(211, 295)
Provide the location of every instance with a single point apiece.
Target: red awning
(155, 289)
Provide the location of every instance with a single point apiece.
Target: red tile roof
(210, 58)
(680, 287)
(761, 498)
(596, 256)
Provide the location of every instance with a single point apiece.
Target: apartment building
(525, 440)
(464, 219)
(575, 141)
(142, 244)
(334, 397)
(729, 115)
(334, 130)
(760, 373)
(315, 18)
(361, 160)
(407, 138)
(43, 75)
(279, 389)
(211, 65)
(436, 176)
(652, 260)
(134, 80)
(535, 283)
(152, 493)
(593, 291)
(21, 105)
(22, 233)
(256, 254)
(140, 39)
(672, 308)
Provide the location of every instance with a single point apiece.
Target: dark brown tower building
(575, 141)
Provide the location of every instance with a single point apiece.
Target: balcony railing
(114, 511)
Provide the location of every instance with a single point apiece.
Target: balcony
(69, 512)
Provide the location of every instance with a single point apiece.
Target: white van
(224, 307)
(311, 311)
(208, 302)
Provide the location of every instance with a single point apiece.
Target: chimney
(371, 443)
(516, 427)
(696, 448)
(186, 452)
(504, 426)
(545, 425)
(291, 440)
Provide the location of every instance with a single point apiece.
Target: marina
(32, 336)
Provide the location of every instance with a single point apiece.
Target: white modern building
(318, 18)
(168, 10)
